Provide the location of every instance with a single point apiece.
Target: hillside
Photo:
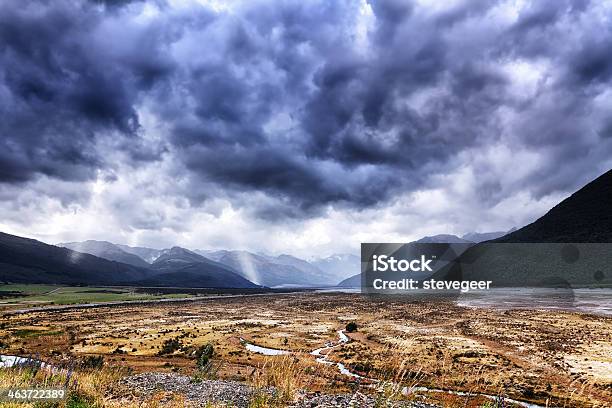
(351, 282)
(198, 275)
(177, 257)
(26, 260)
(585, 216)
(584, 219)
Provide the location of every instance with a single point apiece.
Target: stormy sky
(302, 127)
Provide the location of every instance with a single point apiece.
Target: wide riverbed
(596, 301)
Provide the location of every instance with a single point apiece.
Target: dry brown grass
(508, 346)
(287, 374)
(84, 387)
(400, 377)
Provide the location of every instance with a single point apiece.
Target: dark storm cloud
(63, 89)
(310, 103)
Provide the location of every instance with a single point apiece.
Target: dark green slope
(26, 260)
(585, 216)
(569, 246)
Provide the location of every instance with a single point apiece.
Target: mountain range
(106, 250)
(272, 271)
(101, 262)
(147, 254)
(584, 217)
(181, 267)
(24, 260)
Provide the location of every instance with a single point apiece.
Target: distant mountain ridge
(351, 282)
(271, 271)
(443, 239)
(584, 217)
(106, 250)
(24, 260)
(470, 237)
(341, 266)
(485, 236)
(181, 267)
(286, 270)
(176, 256)
(148, 254)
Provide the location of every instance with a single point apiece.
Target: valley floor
(404, 351)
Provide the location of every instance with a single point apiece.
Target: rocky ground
(351, 400)
(145, 386)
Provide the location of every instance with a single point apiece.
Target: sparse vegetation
(286, 373)
(92, 362)
(206, 367)
(41, 295)
(86, 387)
(407, 344)
(351, 327)
(169, 346)
(203, 355)
(35, 333)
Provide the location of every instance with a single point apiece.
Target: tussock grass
(399, 376)
(287, 374)
(85, 387)
(290, 375)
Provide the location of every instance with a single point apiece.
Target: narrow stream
(7, 361)
(406, 391)
(321, 354)
(263, 350)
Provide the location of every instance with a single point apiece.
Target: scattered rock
(356, 400)
(146, 385)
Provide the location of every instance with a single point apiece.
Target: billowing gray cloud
(63, 88)
(311, 105)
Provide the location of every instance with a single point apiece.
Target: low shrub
(92, 362)
(203, 355)
(169, 346)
